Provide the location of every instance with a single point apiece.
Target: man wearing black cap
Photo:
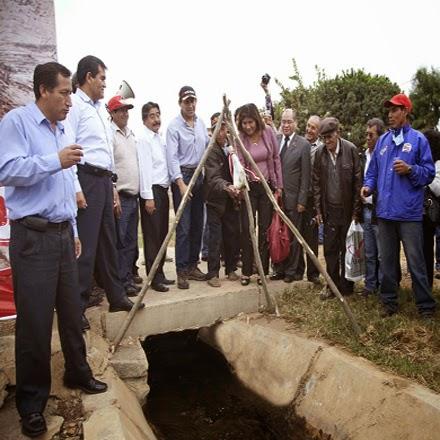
(337, 179)
(186, 141)
(399, 170)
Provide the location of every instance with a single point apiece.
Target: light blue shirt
(185, 145)
(91, 131)
(30, 167)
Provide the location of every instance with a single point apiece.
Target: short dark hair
(378, 123)
(47, 75)
(147, 107)
(433, 137)
(250, 111)
(88, 64)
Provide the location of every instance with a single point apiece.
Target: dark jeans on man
(411, 234)
(335, 234)
(190, 227)
(127, 230)
(223, 229)
(310, 233)
(155, 229)
(371, 237)
(45, 278)
(428, 247)
(97, 232)
(260, 203)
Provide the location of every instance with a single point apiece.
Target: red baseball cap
(400, 100)
(117, 102)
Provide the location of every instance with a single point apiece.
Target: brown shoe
(182, 281)
(197, 275)
(214, 282)
(232, 276)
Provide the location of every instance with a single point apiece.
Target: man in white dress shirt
(154, 183)
(94, 187)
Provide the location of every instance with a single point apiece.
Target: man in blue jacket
(400, 168)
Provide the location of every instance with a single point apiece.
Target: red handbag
(278, 237)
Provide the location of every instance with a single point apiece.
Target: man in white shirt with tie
(94, 187)
(154, 183)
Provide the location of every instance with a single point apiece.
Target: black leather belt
(128, 195)
(97, 171)
(188, 169)
(40, 224)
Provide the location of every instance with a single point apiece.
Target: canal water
(194, 396)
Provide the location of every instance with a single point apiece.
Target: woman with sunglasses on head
(260, 141)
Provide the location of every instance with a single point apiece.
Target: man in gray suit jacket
(295, 162)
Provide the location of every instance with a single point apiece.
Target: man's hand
(78, 247)
(70, 155)
(356, 218)
(116, 204)
(264, 87)
(318, 219)
(81, 201)
(401, 167)
(232, 191)
(182, 187)
(365, 192)
(150, 207)
(300, 208)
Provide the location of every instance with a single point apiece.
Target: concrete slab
(201, 305)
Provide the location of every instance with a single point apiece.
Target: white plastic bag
(238, 174)
(354, 253)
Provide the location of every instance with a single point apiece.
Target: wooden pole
(296, 233)
(163, 248)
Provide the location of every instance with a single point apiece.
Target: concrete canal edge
(333, 392)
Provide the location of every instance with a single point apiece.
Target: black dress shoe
(159, 287)
(131, 290)
(168, 282)
(85, 324)
(124, 306)
(288, 279)
(93, 386)
(137, 279)
(314, 280)
(386, 312)
(277, 276)
(33, 424)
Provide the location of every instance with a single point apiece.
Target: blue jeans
(411, 234)
(372, 257)
(127, 230)
(190, 227)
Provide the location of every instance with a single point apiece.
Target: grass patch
(403, 343)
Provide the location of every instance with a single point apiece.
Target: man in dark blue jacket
(400, 168)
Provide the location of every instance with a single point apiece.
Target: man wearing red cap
(127, 186)
(399, 170)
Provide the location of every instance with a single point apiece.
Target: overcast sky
(225, 47)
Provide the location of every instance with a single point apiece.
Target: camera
(265, 79)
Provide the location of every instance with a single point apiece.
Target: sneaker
(232, 276)
(214, 282)
(196, 274)
(182, 281)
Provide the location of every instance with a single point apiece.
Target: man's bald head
(312, 128)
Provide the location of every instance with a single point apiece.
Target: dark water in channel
(194, 396)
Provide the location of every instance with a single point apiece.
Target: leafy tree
(425, 96)
(353, 97)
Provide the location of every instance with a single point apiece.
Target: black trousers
(261, 204)
(310, 233)
(155, 229)
(290, 265)
(428, 247)
(97, 232)
(45, 277)
(335, 233)
(223, 230)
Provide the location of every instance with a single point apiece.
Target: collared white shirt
(91, 131)
(283, 140)
(313, 148)
(368, 155)
(153, 164)
(126, 159)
